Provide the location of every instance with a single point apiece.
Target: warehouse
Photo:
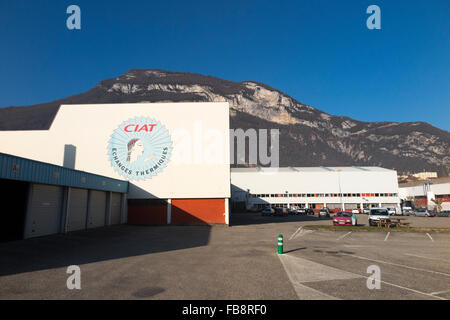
(314, 187)
(174, 156)
(431, 193)
(40, 199)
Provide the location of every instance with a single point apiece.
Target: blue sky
(318, 51)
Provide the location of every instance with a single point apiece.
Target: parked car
(355, 211)
(342, 218)
(301, 211)
(281, 212)
(253, 209)
(392, 211)
(424, 212)
(407, 211)
(324, 213)
(444, 213)
(377, 214)
(366, 210)
(309, 211)
(268, 212)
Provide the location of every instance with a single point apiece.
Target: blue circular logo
(140, 148)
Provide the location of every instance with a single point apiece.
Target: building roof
(441, 180)
(311, 169)
(18, 168)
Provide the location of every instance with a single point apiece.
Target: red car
(342, 219)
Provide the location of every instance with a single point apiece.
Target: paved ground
(238, 262)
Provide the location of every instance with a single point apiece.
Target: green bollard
(280, 244)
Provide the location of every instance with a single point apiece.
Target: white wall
(384, 181)
(89, 128)
(318, 180)
(417, 191)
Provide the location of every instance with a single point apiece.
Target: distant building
(425, 175)
(314, 187)
(422, 192)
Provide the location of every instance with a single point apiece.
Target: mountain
(308, 136)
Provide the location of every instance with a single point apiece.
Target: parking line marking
(413, 290)
(295, 273)
(440, 292)
(295, 232)
(430, 237)
(387, 236)
(395, 264)
(341, 237)
(415, 255)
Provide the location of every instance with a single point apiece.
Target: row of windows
(313, 195)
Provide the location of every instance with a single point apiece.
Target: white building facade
(314, 187)
(427, 194)
(175, 156)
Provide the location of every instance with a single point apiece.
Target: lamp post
(287, 200)
(340, 191)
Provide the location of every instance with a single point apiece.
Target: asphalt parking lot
(237, 262)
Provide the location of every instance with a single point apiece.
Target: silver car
(377, 214)
(445, 213)
(423, 212)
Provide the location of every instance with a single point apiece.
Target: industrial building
(427, 193)
(314, 187)
(40, 199)
(173, 159)
(156, 163)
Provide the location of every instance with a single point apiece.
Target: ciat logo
(140, 148)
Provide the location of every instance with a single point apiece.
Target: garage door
(77, 209)
(44, 213)
(115, 208)
(198, 211)
(97, 208)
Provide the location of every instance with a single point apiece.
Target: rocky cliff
(308, 136)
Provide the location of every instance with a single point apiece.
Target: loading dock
(13, 198)
(40, 199)
(77, 212)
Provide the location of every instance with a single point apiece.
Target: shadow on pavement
(95, 245)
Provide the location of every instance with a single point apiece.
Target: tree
(438, 202)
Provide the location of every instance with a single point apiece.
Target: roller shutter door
(44, 213)
(77, 209)
(115, 208)
(97, 208)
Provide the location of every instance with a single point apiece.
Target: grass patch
(369, 228)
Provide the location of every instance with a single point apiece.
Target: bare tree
(438, 202)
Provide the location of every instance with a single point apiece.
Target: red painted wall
(145, 214)
(198, 211)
